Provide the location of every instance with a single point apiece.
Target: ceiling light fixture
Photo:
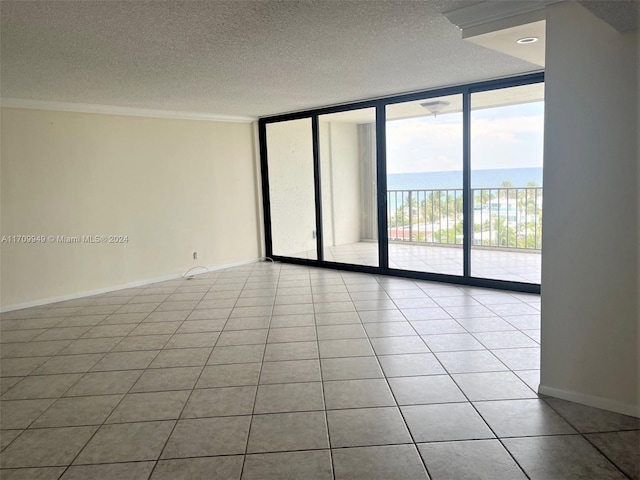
(435, 107)
(526, 40)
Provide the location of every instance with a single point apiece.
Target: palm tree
(431, 210)
(528, 207)
(507, 192)
(506, 234)
(484, 197)
(405, 214)
(430, 206)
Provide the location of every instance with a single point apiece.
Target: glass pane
(348, 174)
(424, 185)
(291, 188)
(507, 127)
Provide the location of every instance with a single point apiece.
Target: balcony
(425, 231)
(425, 234)
(504, 218)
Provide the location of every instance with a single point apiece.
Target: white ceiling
(623, 15)
(505, 40)
(245, 57)
(239, 57)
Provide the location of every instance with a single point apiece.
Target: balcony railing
(502, 217)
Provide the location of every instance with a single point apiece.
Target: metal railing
(502, 217)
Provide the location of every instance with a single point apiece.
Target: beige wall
(590, 259)
(172, 186)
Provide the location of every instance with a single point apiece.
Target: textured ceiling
(239, 57)
(623, 15)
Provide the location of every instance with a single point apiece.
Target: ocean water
(519, 177)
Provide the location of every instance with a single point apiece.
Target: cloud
(507, 137)
(506, 129)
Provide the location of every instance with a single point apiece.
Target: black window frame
(466, 90)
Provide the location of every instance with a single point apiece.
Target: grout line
(584, 437)
(119, 403)
(491, 428)
(397, 406)
(255, 397)
(184, 406)
(106, 417)
(324, 399)
(474, 407)
(316, 283)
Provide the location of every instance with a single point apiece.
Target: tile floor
(286, 372)
(517, 266)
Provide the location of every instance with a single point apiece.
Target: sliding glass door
(291, 188)
(349, 191)
(507, 127)
(439, 185)
(424, 185)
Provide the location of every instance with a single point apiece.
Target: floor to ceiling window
(293, 225)
(440, 185)
(424, 185)
(507, 128)
(349, 193)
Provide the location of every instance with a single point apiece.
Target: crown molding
(491, 11)
(115, 110)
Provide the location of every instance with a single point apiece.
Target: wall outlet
(195, 255)
(313, 234)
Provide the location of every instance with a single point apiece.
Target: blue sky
(501, 137)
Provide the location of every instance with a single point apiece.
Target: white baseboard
(113, 288)
(591, 400)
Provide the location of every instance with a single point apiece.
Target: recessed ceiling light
(525, 40)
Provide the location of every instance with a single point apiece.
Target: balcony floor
(513, 266)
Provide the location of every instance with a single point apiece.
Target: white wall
(340, 169)
(326, 175)
(590, 260)
(172, 186)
